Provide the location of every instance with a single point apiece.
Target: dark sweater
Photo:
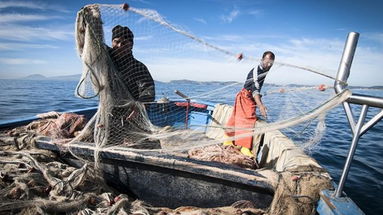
(254, 84)
(136, 77)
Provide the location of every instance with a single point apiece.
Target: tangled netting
(35, 181)
(128, 113)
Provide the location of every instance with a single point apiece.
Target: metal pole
(372, 101)
(371, 123)
(346, 61)
(350, 116)
(351, 153)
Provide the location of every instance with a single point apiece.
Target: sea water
(26, 98)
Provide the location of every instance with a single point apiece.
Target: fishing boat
(286, 181)
(174, 179)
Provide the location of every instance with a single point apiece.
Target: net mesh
(127, 92)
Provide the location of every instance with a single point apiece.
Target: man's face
(267, 62)
(121, 46)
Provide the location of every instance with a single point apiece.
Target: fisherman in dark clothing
(243, 117)
(134, 74)
(129, 119)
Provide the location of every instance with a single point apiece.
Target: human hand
(263, 111)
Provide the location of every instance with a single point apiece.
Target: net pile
(34, 181)
(223, 154)
(298, 191)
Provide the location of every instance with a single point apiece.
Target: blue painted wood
(160, 114)
(328, 204)
(170, 114)
(87, 112)
(9, 124)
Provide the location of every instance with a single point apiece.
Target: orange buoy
(125, 6)
(322, 87)
(239, 56)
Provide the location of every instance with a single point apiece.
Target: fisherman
(134, 74)
(133, 87)
(246, 103)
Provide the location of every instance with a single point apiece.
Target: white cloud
(26, 33)
(229, 18)
(225, 38)
(11, 18)
(31, 5)
(23, 46)
(200, 20)
(323, 55)
(143, 1)
(319, 54)
(20, 61)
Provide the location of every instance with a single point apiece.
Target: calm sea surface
(26, 98)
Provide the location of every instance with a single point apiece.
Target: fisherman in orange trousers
(243, 117)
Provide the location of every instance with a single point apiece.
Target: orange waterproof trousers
(243, 117)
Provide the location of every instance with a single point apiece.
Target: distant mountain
(66, 77)
(58, 78)
(376, 87)
(35, 77)
(361, 87)
(298, 85)
(185, 81)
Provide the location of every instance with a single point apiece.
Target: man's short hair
(124, 32)
(268, 53)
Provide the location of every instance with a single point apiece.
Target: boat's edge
(9, 124)
(328, 204)
(263, 179)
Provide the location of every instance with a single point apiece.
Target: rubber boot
(247, 152)
(227, 142)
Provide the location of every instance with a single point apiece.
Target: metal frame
(359, 128)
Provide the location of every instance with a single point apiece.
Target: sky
(37, 37)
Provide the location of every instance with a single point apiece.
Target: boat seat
(221, 114)
(280, 153)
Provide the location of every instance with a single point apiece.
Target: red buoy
(239, 56)
(322, 87)
(125, 6)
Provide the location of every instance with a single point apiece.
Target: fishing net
(135, 111)
(35, 181)
(163, 90)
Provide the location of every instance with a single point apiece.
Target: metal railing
(359, 128)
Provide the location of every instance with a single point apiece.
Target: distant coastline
(76, 77)
(39, 77)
